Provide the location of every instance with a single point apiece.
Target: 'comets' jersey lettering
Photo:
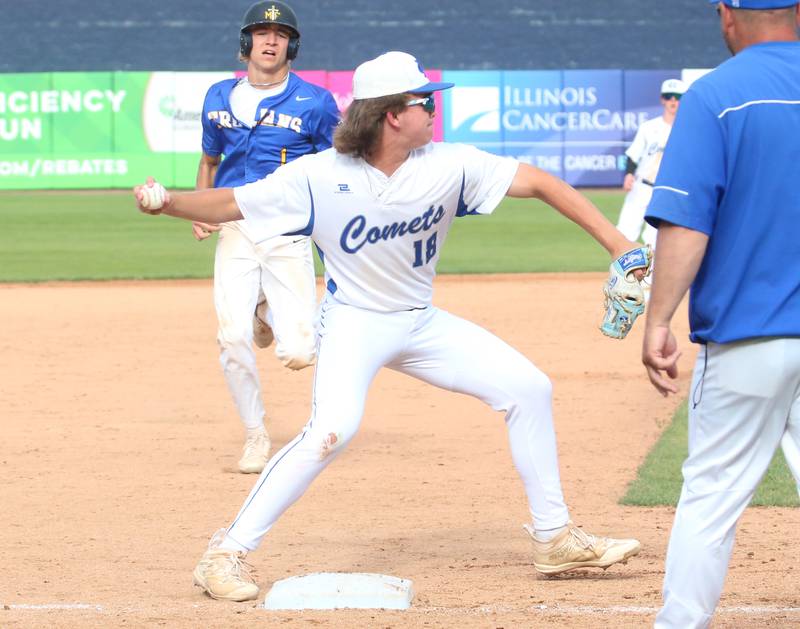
(354, 236)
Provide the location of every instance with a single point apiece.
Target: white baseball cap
(673, 86)
(392, 73)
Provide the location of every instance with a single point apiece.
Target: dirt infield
(119, 445)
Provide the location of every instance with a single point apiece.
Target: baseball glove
(624, 295)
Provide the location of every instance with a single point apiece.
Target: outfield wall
(111, 129)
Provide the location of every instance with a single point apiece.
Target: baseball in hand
(153, 196)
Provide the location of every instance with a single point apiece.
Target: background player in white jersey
(379, 207)
(269, 117)
(643, 159)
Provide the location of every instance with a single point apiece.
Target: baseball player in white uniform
(379, 206)
(643, 159)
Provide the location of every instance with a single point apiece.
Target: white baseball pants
(631, 216)
(283, 269)
(435, 347)
(745, 402)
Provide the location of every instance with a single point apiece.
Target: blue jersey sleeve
(691, 179)
(328, 120)
(212, 139)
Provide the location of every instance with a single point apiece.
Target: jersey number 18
(430, 250)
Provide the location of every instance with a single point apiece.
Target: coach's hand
(660, 354)
(202, 231)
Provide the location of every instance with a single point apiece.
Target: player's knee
(298, 350)
(531, 385)
(296, 360)
(328, 444)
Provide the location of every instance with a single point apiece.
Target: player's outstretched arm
(216, 205)
(532, 182)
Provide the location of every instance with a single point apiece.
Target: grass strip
(100, 236)
(658, 480)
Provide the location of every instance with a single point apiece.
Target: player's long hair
(360, 132)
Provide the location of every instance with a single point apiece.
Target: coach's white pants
(433, 346)
(747, 398)
(631, 216)
(283, 269)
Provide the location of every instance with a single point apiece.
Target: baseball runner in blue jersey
(250, 127)
(379, 207)
(728, 216)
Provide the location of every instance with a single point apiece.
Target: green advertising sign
(100, 129)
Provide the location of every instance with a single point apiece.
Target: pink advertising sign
(340, 85)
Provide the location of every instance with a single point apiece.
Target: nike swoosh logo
(302, 98)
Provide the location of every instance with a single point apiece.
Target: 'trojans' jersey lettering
(266, 117)
(294, 128)
(277, 119)
(356, 234)
(224, 119)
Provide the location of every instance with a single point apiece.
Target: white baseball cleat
(255, 453)
(573, 548)
(223, 574)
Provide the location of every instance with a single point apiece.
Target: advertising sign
(55, 129)
(575, 124)
(111, 129)
(340, 84)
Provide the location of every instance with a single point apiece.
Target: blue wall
(337, 35)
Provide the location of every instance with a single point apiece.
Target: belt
(647, 182)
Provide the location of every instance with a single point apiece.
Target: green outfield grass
(100, 236)
(658, 480)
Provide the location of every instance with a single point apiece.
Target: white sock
(545, 535)
(252, 432)
(232, 544)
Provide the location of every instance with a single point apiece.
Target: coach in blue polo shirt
(727, 209)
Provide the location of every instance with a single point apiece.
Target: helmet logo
(272, 13)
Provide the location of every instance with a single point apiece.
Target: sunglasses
(671, 96)
(427, 102)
